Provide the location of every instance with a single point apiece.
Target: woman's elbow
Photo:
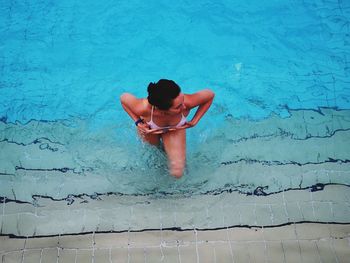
(210, 93)
(124, 97)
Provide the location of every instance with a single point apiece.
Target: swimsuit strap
(152, 113)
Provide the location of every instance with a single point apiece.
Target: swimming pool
(279, 128)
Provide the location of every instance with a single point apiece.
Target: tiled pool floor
(111, 213)
(291, 226)
(305, 242)
(289, 202)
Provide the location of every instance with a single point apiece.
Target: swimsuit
(155, 126)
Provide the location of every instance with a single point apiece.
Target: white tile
(275, 251)
(188, 254)
(13, 257)
(49, 255)
(263, 215)
(10, 224)
(342, 249)
(341, 212)
(32, 256)
(9, 244)
(101, 256)
(325, 251)
(278, 214)
(257, 252)
(246, 234)
(339, 231)
(240, 252)
(120, 255)
(279, 233)
(42, 242)
(310, 231)
(111, 240)
(291, 251)
(84, 256)
(309, 251)
(27, 224)
(294, 212)
(67, 256)
(76, 241)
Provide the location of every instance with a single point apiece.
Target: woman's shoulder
(141, 107)
(138, 105)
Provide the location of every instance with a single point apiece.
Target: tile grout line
(207, 213)
(17, 225)
(301, 212)
(266, 251)
(255, 216)
(284, 254)
(240, 215)
(229, 242)
(297, 237)
(145, 254)
(227, 231)
(178, 250)
(331, 206)
(93, 247)
(129, 221)
(333, 250)
(196, 234)
(161, 234)
(58, 254)
(175, 215)
(318, 252)
(285, 206)
(271, 214)
(41, 255)
(3, 214)
(214, 255)
(161, 251)
(161, 223)
(23, 250)
(84, 219)
(128, 252)
(247, 248)
(312, 205)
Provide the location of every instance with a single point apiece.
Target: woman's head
(162, 93)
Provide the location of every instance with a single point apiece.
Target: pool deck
(303, 242)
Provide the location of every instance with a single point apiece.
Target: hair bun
(151, 87)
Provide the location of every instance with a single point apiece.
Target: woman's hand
(187, 125)
(160, 131)
(143, 128)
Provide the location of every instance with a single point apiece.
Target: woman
(163, 116)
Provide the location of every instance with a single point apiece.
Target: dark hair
(162, 93)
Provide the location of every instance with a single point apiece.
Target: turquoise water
(64, 64)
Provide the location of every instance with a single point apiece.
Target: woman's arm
(131, 105)
(203, 99)
(135, 108)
